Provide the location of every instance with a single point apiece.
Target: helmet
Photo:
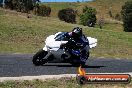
(77, 32)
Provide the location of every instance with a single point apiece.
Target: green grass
(112, 27)
(55, 7)
(102, 7)
(61, 83)
(19, 34)
(61, 5)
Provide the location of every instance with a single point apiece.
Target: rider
(76, 38)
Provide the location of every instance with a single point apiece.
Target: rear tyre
(38, 57)
(82, 64)
(78, 63)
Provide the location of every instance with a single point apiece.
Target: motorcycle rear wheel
(38, 57)
(77, 64)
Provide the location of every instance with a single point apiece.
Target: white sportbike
(54, 50)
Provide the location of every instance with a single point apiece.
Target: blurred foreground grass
(60, 83)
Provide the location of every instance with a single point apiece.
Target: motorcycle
(54, 51)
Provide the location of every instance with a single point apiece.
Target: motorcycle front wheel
(38, 57)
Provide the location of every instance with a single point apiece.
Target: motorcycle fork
(47, 56)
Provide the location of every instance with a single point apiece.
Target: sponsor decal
(84, 77)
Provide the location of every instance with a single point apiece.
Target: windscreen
(61, 37)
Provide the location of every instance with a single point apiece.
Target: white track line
(41, 77)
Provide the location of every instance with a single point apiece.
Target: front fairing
(52, 43)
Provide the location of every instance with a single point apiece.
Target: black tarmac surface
(14, 65)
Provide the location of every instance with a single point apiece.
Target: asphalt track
(15, 65)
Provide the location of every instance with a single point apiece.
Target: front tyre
(38, 57)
